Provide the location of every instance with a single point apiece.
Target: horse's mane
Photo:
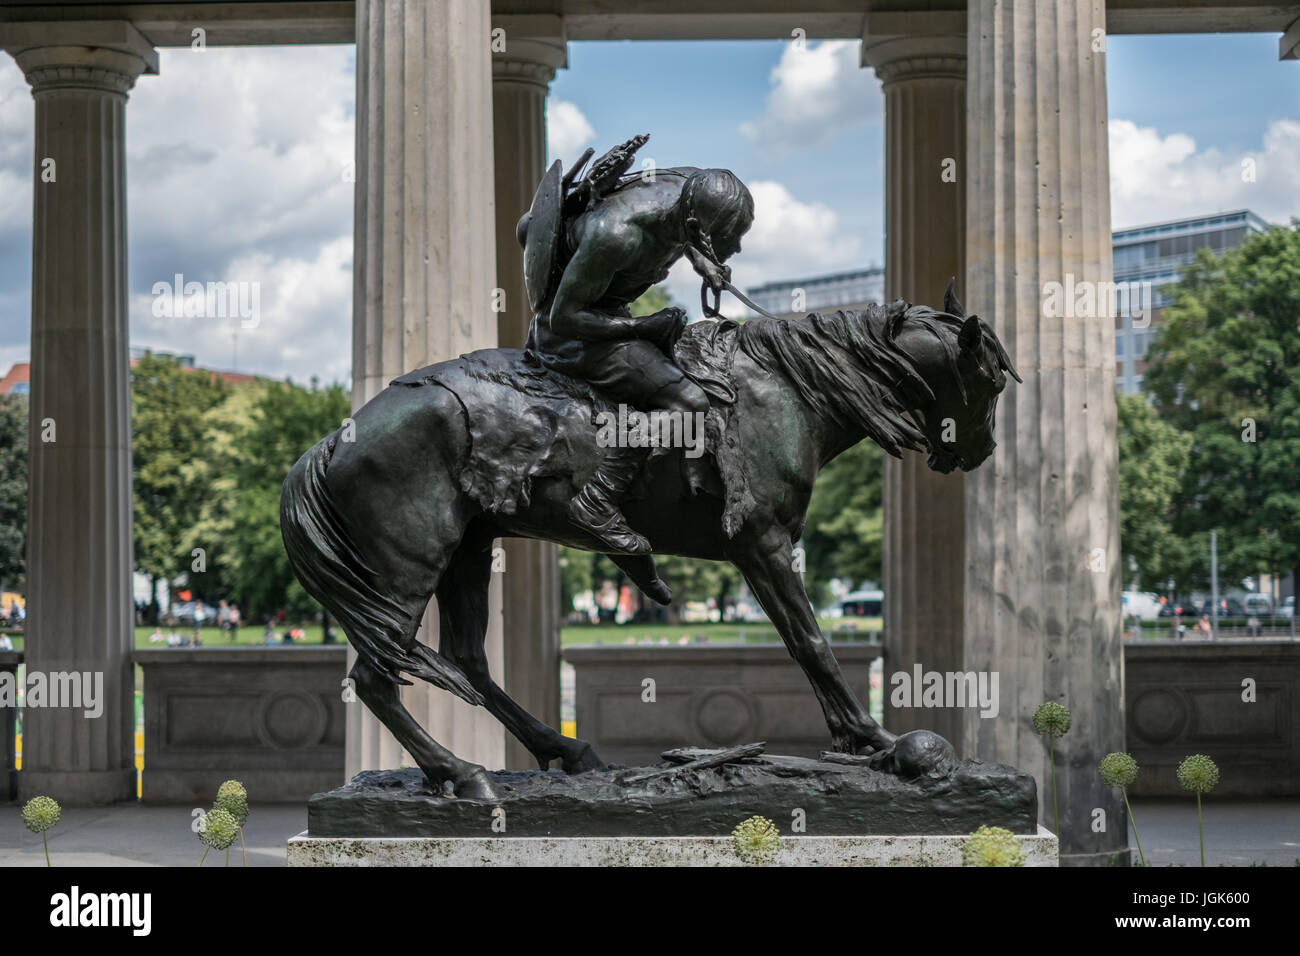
(848, 367)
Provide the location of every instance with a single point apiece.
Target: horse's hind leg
(463, 612)
(469, 781)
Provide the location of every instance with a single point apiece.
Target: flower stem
(1200, 829)
(1051, 756)
(204, 856)
(47, 848)
(1133, 824)
(243, 849)
(227, 856)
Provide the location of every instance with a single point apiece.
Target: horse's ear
(970, 335)
(950, 303)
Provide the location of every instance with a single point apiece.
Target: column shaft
(424, 268)
(531, 607)
(80, 610)
(923, 577)
(1042, 528)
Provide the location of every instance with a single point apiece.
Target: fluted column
(80, 611)
(521, 75)
(924, 567)
(1042, 522)
(424, 268)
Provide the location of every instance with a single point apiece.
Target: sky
(237, 167)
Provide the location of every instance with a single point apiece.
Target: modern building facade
(840, 290)
(1148, 258)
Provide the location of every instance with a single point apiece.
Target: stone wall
(270, 717)
(1187, 698)
(704, 695)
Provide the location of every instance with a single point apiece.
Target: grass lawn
(250, 636)
(866, 628)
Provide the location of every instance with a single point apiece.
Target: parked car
(1179, 607)
(1258, 605)
(1286, 610)
(1228, 607)
(863, 604)
(185, 613)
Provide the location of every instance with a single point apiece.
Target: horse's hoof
(476, 787)
(660, 592)
(582, 761)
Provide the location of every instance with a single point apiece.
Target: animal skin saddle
(526, 421)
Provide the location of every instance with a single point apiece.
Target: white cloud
(236, 161)
(1154, 177)
(568, 132)
(296, 331)
(789, 239)
(818, 91)
(235, 171)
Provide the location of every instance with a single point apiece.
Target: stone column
(924, 568)
(81, 616)
(521, 75)
(1042, 515)
(424, 268)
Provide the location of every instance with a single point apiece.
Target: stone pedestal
(924, 81)
(1042, 522)
(304, 850)
(424, 268)
(80, 615)
(531, 606)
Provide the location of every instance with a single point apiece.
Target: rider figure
(621, 244)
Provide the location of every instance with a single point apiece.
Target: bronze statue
(620, 236)
(501, 442)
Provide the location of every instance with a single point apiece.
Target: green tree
(844, 533)
(169, 403)
(1227, 372)
(13, 490)
(286, 420)
(1152, 461)
(213, 526)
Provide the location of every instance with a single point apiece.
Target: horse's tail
(333, 571)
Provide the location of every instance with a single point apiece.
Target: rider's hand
(664, 327)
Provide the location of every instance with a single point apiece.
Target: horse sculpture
(453, 456)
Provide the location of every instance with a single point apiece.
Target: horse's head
(965, 368)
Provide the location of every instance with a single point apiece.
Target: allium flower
(1118, 770)
(40, 814)
(1198, 773)
(992, 846)
(219, 829)
(1052, 719)
(233, 798)
(756, 840)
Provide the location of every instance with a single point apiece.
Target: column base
(1121, 857)
(78, 788)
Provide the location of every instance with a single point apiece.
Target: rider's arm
(584, 282)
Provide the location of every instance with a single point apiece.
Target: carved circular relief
(291, 719)
(725, 717)
(1159, 716)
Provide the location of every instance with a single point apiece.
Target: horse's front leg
(767, 563)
